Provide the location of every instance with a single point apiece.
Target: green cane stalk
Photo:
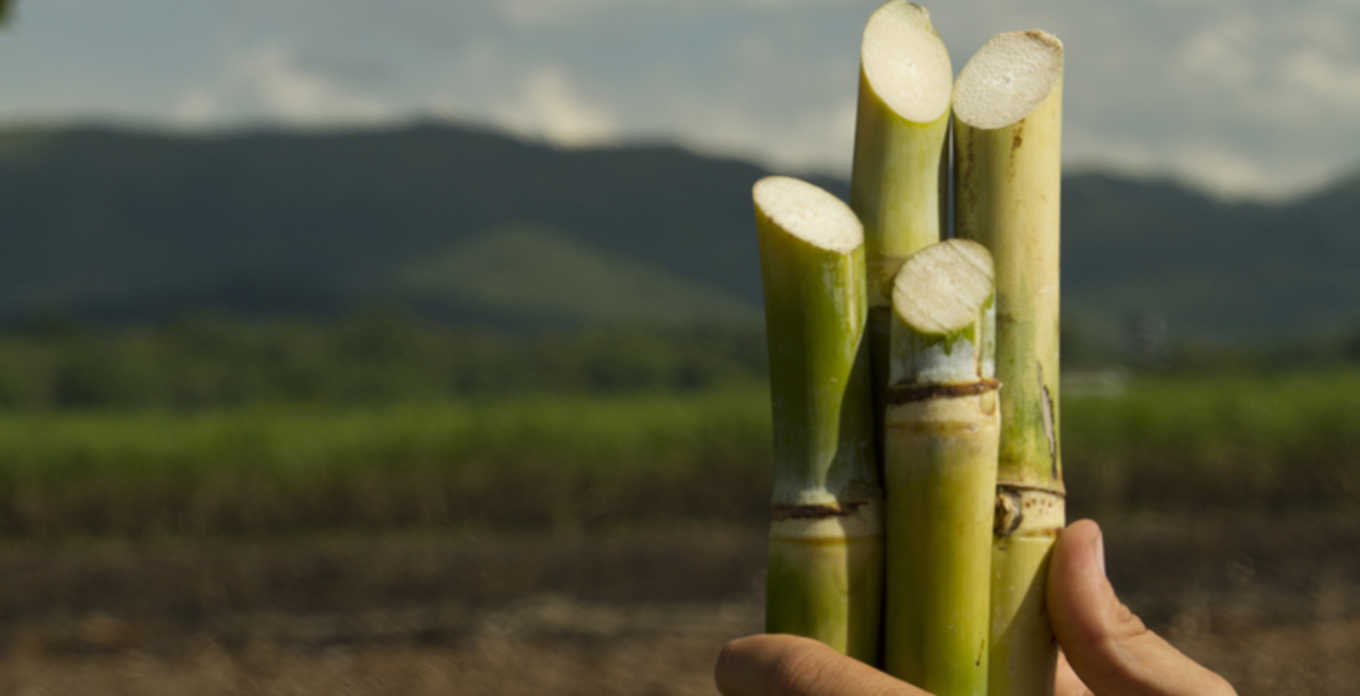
(826, 547)
(940, 448)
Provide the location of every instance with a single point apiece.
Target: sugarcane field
(540, 347)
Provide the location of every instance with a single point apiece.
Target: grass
(1229, 440)
(567, 462)
(530, 461)
(283, 568)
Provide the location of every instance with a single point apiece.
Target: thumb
(1107, 645)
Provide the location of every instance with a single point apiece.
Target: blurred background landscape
(321, 372)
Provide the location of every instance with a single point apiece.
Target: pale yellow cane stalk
(826, 548)
(901, 138)
(1007, 143)
(940, 448)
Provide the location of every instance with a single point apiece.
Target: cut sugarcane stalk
(900, 157)
(940, 448)
(825, 555)
(1007, 142)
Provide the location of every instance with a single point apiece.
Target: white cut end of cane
(1007, 78)
(809, 213)
(906, 63)
(942, 288)
(945, 315)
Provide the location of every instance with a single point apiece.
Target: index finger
(782, 665)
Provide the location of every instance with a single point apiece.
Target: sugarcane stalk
(1007, 142)
(940, 449)
(900, 156)
(825, 547)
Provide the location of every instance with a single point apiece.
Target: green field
(594, 461)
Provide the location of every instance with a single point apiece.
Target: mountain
(474, 226)
(1209, 269)
(559, 280)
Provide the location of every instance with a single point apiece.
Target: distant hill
(474, 226)
(550, 278)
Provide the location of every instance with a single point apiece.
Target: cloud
(1235, 96)
(1218, 167)
(1221, 55)
(1282, 70)
(549, 105)
(533, 12)
(814, 139)
(1227, 171)
(268, 83)
(541, 12)
(1331, 81)
(538, 13)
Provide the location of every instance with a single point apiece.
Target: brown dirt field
(1274, 605)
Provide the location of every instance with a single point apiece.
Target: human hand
(1106, 649)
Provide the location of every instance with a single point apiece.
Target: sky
(1243, 98)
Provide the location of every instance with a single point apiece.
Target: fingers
(1109, 648)
(781, 665)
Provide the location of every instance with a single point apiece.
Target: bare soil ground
(1270, 601)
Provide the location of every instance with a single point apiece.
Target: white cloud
(549, 105)
(1216, 167)
(821, 139)
(268, 83)
(815, 139)
(1280, 70)
(1244, 96)
(536, 13)
(1225, 171)
(1108, 151)
(1331, 81)
(1221, 55)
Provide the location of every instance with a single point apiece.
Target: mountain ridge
(132, 224)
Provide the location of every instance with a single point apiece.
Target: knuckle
(1126, 625)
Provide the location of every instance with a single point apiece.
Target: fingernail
(1099, 544)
